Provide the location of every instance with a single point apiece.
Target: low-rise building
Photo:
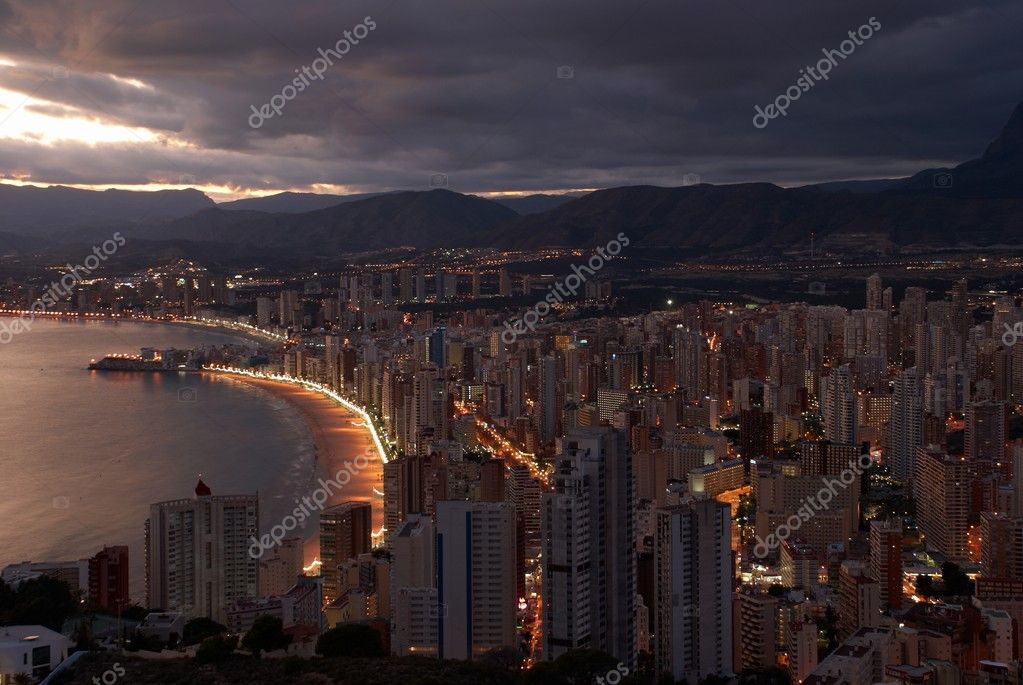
(30, 650)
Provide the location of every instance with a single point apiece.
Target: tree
(351, 640)
(956, 582)
(198, 629)
(150, 643)
(765, 676)
(545, 673)
(40, 601)
(215, 649)
(507, 658)
(924, 585)
(583, 666)
(266, 635)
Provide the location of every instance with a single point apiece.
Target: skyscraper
(197, 553)
(476, 585)
(588, 544)
(838, 404)
(690, 362)
(438, 349)
(108, 578)
(492, 480)
(405, 285)
(421, 284)
(693, 612)
(278, 571)
(289, 313)
(387, 287)
(985, 431)
(345, 533)
(756, 434)
(413, 588)
(906, 425)
(547, 411)
(874, 292)
(859, 599)
(886, 561)
(943, 501)
(504, 283)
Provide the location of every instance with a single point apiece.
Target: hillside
(437, 218)
(32, 211)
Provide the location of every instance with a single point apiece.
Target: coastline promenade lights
(315, 387)
(232, 325)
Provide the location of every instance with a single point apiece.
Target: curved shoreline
(334, 423)
(312, 386)
(232, 327)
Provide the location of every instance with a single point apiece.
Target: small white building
(163, 625)
(33, 650)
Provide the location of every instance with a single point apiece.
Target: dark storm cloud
(660, 89)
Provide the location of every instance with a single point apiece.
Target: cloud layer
(471, 88)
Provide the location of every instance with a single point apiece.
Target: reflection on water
(83, 454)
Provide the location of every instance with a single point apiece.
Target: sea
(84, 453)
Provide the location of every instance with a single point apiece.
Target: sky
(494, 96)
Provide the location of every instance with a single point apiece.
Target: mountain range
(977, 203)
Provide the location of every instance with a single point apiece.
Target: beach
(339, 436)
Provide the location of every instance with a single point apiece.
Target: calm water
(83, 454)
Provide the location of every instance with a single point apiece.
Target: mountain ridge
(976, 203)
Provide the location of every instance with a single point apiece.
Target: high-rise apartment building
(476, 584)
(886, 561)
(345, 533)
(905, 425)
(413, 588)
(985, 430)
(859, 599)
(547, 409)
(588, 546)
(694, 577)
(838, 404)
(197, 553)
(279, 569)
(943, 501)
(108, 578)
